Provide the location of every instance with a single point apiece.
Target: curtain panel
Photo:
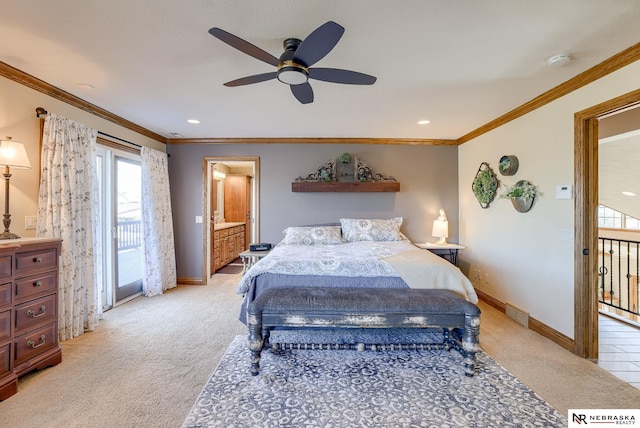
(157, 224)
(68, 209)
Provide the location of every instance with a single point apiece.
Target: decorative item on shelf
(508, 165)
(485, 185)
(12, 155)
(327, 172)
(441, 228)
(365, 173)
(522, 194)
(345, 170)
(350, 174)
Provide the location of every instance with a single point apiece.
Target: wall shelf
(333, 186)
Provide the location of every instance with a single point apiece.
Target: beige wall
(523, 258)
(18, 120)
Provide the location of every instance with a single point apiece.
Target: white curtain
(67, 209)
(157, 224)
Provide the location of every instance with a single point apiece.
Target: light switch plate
(30, 222)
(199, 219)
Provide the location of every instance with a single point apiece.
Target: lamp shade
(440, 229)
(13, 154)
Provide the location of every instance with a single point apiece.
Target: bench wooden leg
(256, 341)
(470, 343)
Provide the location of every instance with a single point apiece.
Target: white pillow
(362, 229)
(312, 235)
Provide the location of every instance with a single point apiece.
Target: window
(612, 219)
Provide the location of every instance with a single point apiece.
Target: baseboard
(191, 281)
(502, 307)
(552, 334)
(535, 325)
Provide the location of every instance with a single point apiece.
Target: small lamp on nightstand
(441, 228)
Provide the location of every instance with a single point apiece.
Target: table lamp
(441, 228)
(12, 155)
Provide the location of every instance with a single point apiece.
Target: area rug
(312, 388)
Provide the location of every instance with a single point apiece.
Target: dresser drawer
(35, 260)
(36, 341)
(33, 286)
(5, 266)
(5, 358)
(5, 295)
(5, 325)
(35, 312)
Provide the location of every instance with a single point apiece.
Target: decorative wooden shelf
(334, 186)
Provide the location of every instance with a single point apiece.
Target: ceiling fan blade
(318, 44)
(244, 46)
(303, 93)
(336, 75)
(256, 78)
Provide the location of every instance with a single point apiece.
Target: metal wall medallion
(485, 185)
(508, 165)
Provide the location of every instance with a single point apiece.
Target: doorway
(586, 230)
(218, 175)
(120, 207)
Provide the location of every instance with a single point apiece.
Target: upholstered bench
(381, 308)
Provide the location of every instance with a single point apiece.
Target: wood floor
(619, 349)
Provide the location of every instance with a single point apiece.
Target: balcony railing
(129, 234)
(618, 272)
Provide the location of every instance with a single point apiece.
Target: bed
(357, 253)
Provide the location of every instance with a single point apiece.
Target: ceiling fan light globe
(292, 75)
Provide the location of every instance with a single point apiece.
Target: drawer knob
(43, 311)
(37, 284)
(37, 260)
(32, 344)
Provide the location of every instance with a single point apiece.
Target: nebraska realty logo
(600, 417)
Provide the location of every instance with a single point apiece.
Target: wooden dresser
(28, 309)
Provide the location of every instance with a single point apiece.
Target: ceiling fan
(295, 64)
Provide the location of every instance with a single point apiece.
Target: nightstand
(250, 257)
(446, 251)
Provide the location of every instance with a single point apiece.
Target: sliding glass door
(121, 258)
(128, 236)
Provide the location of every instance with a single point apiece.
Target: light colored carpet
(143, 366)
(150, 358)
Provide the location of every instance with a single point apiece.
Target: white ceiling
(457, 63)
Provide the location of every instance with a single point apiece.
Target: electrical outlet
(486, 278)
(476, 276)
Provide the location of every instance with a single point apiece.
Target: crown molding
(614, 63)
(311, 140)
(32, 82)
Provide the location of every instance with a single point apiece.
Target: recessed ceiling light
(628, 193)
(423, 122)
(193, 121)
